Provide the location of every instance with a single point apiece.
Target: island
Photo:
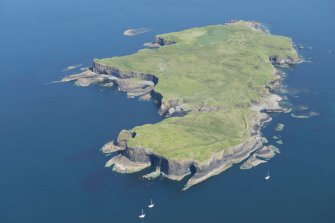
(215, 85)
(134, 32)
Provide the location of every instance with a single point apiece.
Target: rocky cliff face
(126, 82)
(104, 69)
(172, 169)
(284, 62)
(222, 161)
(161, 41)
(178, 169)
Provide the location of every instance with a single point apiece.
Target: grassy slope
(225, 66)
(195, 136)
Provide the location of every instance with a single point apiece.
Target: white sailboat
(151, 205)
(142, 215)
(267, 177)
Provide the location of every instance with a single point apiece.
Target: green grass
(224, 66)
(195, 136)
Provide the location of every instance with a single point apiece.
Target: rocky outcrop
(135, 87)
(169, 107)
(262, 155)
(137, 84)
(251, 162)
(177, 169)
(110, 70)
(153, 174)
(110, 147)
(279, 127)
(270, 104)
(137, 154)
(152, 45)
(121, 164)
(88, 77)
(285, 61)
(123, 137)
(222, 161)
(161, 41)
(266, 152)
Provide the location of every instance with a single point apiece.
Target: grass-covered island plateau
(215, 86)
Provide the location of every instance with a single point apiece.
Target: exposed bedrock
(137, 84)
(172, 169)
(137, 154)
(135, 87)
(122, 164)
(110, 147)
(103, 69)
(257, 123)
(178, 169)
(88, 77)
(222, 161)
(251, 162)
(284, 62)
(169, 107)
(161, 41)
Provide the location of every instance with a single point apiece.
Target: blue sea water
(51, 169)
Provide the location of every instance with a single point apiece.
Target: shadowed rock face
(137, 154)
(221, 162)
(252, 162)
(161, 41)
(178, 169)
(130, 82)
(103, 69)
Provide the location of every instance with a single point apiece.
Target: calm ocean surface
(51, 169)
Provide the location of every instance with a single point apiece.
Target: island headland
(215, 86)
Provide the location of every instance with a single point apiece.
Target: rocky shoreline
(137, 84)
